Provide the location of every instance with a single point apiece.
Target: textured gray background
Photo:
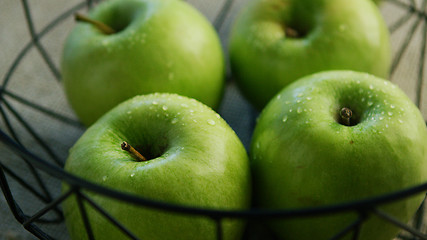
(33, 80)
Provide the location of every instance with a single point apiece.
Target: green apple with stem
(275, 42)
(125, 48)
(336, 137)
(167, 148)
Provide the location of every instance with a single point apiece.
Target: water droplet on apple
(298, 100)
(174, 120)
(218, 116)
(290, 110)
(381, 118)
(308, 98)
(164, 107)
(400, 121)
(184, 105)
(390, 113)
(211, 122)
(386, 125)
(155, 102)
(371, 86)
(132, 175)
(392, 106)
(370, 103)
(363, 99)
(194, 120)
(129, 112)
(285, 118)
(358, 81)
(278, 96)
(299, 110)
(104, 178)
(287, 102)
(299, 95)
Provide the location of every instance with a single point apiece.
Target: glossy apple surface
(195, 159)
(304, 155)
(275, 42)
(159, 46)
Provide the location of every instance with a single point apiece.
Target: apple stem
(100, 25)
(138, 156)
(346, 114)
(290, 32)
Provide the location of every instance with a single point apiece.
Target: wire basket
(37, 127)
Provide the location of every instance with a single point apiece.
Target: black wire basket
(36, 132)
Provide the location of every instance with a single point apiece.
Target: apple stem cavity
(346, 114)
(138, 156)
(100, 25)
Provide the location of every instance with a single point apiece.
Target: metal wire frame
(79, 188)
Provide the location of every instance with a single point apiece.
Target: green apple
(307, 152)
(158, 46)
(275, 42)
(192, 158)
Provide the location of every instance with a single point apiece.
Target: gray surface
(33, 80)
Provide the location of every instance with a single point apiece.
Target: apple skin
(334, 35)
(161, 46)
(201, 163)
(301, 156)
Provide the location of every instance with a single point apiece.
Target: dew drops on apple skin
(164, 107)
(174, 120)
(211, 122)
(132, 175)
(285, 118)
(104, 178)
